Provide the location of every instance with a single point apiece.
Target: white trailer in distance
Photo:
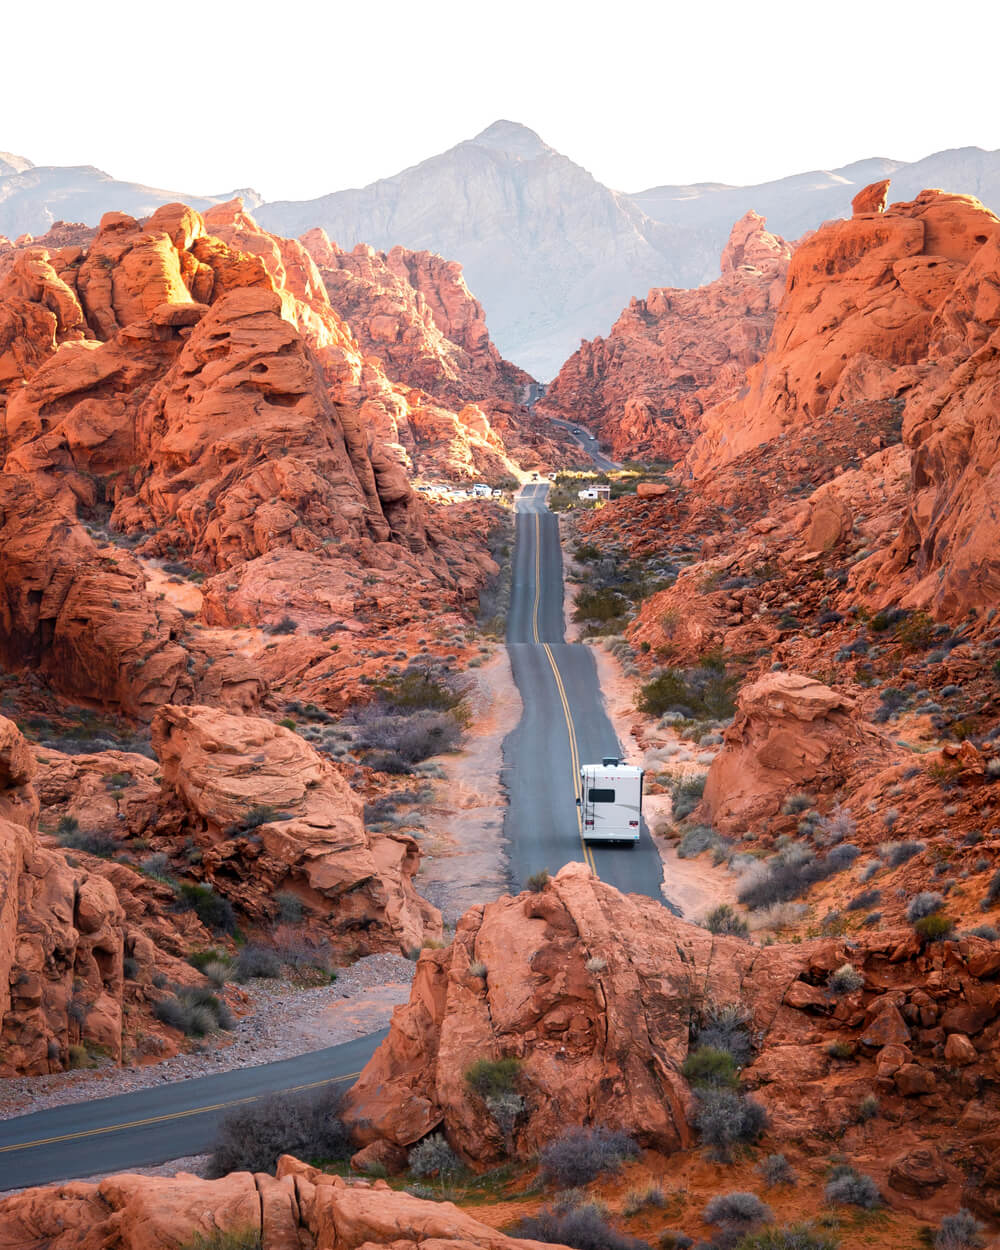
(610, 801)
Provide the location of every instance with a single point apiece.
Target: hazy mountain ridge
(552, 254)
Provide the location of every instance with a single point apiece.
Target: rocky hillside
(675, 353)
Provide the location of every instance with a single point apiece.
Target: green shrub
(707, 1065)
(212, 909)
(845, 980)
(491, 1077)
(726, 920)
(935, 927)
(538, 881)
(248, 1238)
(788, 1237)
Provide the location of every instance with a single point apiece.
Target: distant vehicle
(592, 437)
(481, 491)
(610, 801)
(534, 477)
(497, 494)
(578, 431)
(424, 489)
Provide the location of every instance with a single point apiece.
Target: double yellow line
(172, 1115)
(574, 753)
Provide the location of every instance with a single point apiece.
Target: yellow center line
(171, 1115)
(574, 753)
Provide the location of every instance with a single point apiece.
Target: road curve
(160, 1123)
(589, 445)
(563, 725)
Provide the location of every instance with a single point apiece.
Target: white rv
(481, 491)
(611, 801)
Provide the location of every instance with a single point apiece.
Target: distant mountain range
(552, 254)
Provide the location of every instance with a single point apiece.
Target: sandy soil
(465, 861)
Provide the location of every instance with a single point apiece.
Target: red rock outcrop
(269, 814)
(856, 321)
(675, 353)
(598, 995)
(66, 926)
(207, 390)
(414, 311)
(298, 1207)
(791, 733)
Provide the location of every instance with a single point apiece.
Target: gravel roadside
(284, 1021)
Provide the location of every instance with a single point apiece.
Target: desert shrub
(706, 692)
(212, 909)
(579, 1155)
(706, 1065)
(776, 1170)
(993, 890)
(686, 794)
(434, 1157)
(986, 931)
(251, 1138)
(788, 1237)
(417, 690)
(637, 1200)
(865, 900)
(853, 1189)
(596, 964)
(602, 606)
(218, 971)
(840, 1050)
(961, 1231)
(248, 1238)
(845, 980)
(287, 625)
(261, 814)
(935, 927)
(698, 839)
(477, 968)
(736, 1210)
(193, 1010)
(674, 1239)
(838, 826)
(727, 920)
(537, 881)
(156, 865)
(91, 842)
(491, 1077)
(868, 1108)
(256, 961)
(397, 742)
(923, 904)
(130, 968)
(291, 909)
(791, 872)
(583, 1227)
(725, 1119)
(897, 853)
(726, 1026)
(796, 803)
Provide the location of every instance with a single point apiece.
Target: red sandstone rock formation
(209, 392)
(355, 886)
(597, 993)
(414, 311)
(675, 353)
(298, 1207)
(791, 734)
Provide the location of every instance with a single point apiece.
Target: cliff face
(675, 353)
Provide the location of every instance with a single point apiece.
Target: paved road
(564, 723)
(156, 1124)
(589, 445)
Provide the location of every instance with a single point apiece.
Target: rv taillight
(633, 824)
(589, 824)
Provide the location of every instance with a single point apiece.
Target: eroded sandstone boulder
(791, 732)
(300, 1207)
(271, 814)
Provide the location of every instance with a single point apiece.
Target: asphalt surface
(589, 445)
(164, 1122)
(563, 725)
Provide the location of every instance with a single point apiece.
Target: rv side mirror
(578, 800)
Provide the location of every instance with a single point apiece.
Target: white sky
(298, 99)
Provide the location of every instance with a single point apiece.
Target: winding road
(563, 725)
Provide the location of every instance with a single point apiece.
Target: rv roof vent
(610, 761)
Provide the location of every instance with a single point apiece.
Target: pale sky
(298, 99)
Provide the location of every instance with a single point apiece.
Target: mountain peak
(11, 164)
(513, 139)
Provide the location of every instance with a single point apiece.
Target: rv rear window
(600, 796)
